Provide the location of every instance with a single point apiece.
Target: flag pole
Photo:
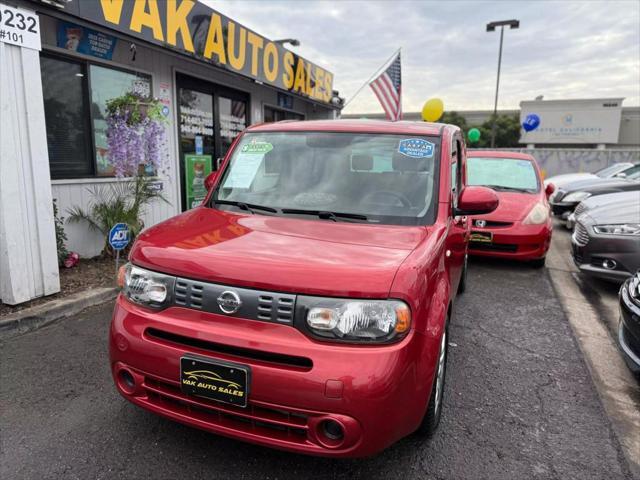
(386, 63)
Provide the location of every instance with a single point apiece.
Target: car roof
(353, 125)
(499, 154)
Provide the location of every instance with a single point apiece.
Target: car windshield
(503, 174)
(612, 170)
(390, 179)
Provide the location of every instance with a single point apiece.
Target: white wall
(162, 65)
(28, 261)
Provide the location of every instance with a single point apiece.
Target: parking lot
(520, 403)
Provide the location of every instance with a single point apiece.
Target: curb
(32, 318)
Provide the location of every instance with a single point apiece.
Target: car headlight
(145, 287)
(538, 214)
(618, 229)
(576, 197)
(356, 320)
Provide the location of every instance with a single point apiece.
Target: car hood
(316, 257)
(599, 183)
(560, 180)
(619, 199)
(513, 206)
(619, 212)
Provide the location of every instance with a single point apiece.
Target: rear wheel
(434, 411)
(539, 263)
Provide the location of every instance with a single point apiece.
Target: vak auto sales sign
(199, 31)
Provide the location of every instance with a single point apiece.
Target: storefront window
(66, 113)
(233, 120)
(276, 115)
(107, 84)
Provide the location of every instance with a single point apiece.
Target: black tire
(462, 286)
(539, 263)
(432, 416)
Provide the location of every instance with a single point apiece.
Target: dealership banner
(199, 31)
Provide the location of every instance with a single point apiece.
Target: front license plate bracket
(224, 382)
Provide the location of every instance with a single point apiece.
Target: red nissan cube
(304, 305)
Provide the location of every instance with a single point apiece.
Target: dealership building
(61, 61)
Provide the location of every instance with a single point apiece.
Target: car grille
(580, 235)
(580, 209)
(257, 419)
(494, 247)
(255, 304)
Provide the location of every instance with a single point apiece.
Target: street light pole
(491, 27)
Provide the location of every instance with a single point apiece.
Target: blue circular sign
(119, 236)
(531, 122)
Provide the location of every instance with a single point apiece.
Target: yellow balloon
(432, 110)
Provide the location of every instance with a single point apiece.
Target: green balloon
(473, 135)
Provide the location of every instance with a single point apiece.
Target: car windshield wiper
(509, 189)
(247, 207)
(326, 215)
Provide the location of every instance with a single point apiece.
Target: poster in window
(196, 168)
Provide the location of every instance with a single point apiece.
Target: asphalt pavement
(519, 404)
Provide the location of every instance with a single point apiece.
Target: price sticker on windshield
(19, 27)
(245, 166)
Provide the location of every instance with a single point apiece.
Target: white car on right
(606, 172)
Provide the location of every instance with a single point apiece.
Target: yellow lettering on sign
(236, 61)
(143, 18)
(287, 76)
(177, 22)
(328, 86)
(317, 92)
(112, 10)
(270, 61)
(299, 84)
(257, 43)
(215, 40)
(308, 88)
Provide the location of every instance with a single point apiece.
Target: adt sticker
(416, 148)
(165, 111)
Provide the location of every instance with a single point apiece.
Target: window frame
(86, 64)
(283, 110)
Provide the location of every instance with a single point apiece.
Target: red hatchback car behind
(304, 305)
(520, 228)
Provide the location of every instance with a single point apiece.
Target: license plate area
(481, 237)
(216, 380)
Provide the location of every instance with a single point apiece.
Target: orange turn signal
(122, 273)
(403, 318)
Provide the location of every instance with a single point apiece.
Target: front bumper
(377, 393)
(517, 242)
(629, 331)
(589, 258)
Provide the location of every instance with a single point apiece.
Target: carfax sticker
(416, 148)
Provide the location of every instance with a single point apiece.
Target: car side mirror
(211, 179)
(620, 175)
(549, 189)
(476, 200)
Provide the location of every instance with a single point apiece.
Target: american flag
(388, 88)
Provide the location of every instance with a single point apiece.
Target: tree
(507, 130)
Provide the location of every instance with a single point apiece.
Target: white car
(607, 172)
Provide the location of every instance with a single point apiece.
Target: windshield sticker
(258, 148)
(416, 148)
(244, 169)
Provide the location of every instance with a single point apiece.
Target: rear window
(506, 174)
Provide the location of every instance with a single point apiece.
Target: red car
(304, 305)
(520, 228)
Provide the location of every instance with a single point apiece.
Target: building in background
(590, 123)
(213, 76)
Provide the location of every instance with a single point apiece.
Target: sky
(567, 49)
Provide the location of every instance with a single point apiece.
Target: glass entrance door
(210, 117)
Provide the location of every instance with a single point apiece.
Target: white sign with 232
(19, 27)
